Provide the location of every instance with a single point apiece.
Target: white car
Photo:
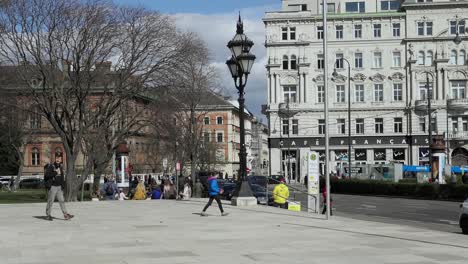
(464, 217)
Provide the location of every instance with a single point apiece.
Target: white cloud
(216, 30)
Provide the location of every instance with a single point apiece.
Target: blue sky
(215, 22)
(199, 6)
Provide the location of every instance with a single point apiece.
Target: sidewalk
(173, 232)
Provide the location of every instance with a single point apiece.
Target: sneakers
(203, 214)
(49, 218)
(68, 216)
(224, 214)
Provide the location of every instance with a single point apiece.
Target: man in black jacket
(54, 181)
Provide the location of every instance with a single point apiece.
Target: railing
(458, 135)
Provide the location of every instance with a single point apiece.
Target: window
(339, 31)
(285, 62)
(284, 33)
(358, 31)
(397, 92)
(340, 94)
(396, 59)
(359, 92)
(293, 62)
(378, 59)
(389, 5)
(219, 137)
(423, 90)
(339, 61)
(290, 94)
(330, 8)
(320, 61)
(458, 89)
(461, 57)
(285, 126)
(421, 57)
(321, 126)
(461, 27)
(356, 7)
(396, 29)
(453, 57)
(320, 94)
(378, 92)
(303, 7)
(206, 120)
(398, 125)
(35, 157)
(422, 124)
(377, 30)
(219, 120)
(434, 124)
(454, 124)
(360, 126)
(292, 33)
(424, 28)
(206, 137)
(465, 123)
(379, 125)
(34, 120)
(341, 126)
(320, 32)
(295, 127)
(358, 60)
(429, 58)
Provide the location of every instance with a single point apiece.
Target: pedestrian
(155, 193)
(281, 194)
(187, 193)
(214, 191)
(465, 178)
(140, 192)
(54, 181)
(306, 179)
(121, 196)
(198, 189)
(324, 194)
(109, 189)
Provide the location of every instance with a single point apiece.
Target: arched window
(285, 62)
(293, 62)
(58, 155)
(421, 56)
(453, 57)
(429, 58)
(461, 57)
(35, 157)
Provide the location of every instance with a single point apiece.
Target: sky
(215, 22)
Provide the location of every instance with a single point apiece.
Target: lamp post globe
(240, 65)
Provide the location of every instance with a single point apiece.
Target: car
(274, 179)
(259, 180)
(464, 217)
(4, 181)
(260, 193)
(228, 190)
(31, 183)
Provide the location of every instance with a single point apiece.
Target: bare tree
(62, 46)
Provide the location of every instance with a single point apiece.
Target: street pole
(349, 117)
(325, 82)
(430, 124)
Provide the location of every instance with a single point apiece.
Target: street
(434, 215)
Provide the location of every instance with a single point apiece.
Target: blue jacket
(213, 188)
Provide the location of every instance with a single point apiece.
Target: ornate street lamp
(240, 64)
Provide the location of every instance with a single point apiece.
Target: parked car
(31, 183)
(464, 217)
(228, 188)
(259, 180)
(5, 181)
(260, 193)
(274, 179)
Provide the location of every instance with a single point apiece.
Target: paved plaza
(174, 232)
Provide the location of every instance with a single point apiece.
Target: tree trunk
(71, 181)
(18, 177)
(97, 178)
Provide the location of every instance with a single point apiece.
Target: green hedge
(455, 192)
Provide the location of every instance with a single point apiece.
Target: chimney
(104, 66)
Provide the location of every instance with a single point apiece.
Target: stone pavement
(173, 232)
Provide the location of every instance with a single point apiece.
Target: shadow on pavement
(43, 217)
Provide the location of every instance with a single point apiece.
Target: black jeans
(215, 197)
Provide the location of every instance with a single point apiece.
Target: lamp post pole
(325, 87)
(429, 115)
(240, 64)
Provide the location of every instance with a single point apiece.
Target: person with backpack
(213, 191)
(54, 182)
(281, 194)
(110, 189)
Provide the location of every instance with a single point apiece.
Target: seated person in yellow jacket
(281, 194)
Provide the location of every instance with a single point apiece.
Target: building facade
(397, 51)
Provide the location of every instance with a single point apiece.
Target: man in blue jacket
(213, 192)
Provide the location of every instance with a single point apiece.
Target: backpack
(109, 190)
(49, 175)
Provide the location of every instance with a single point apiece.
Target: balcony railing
(421, 105)
(458, 135)
(458, 104)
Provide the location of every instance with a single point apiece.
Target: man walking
(213, 191)
(110, 189)
(281, 194)
(54, 181)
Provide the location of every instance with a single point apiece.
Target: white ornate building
(390, 45)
